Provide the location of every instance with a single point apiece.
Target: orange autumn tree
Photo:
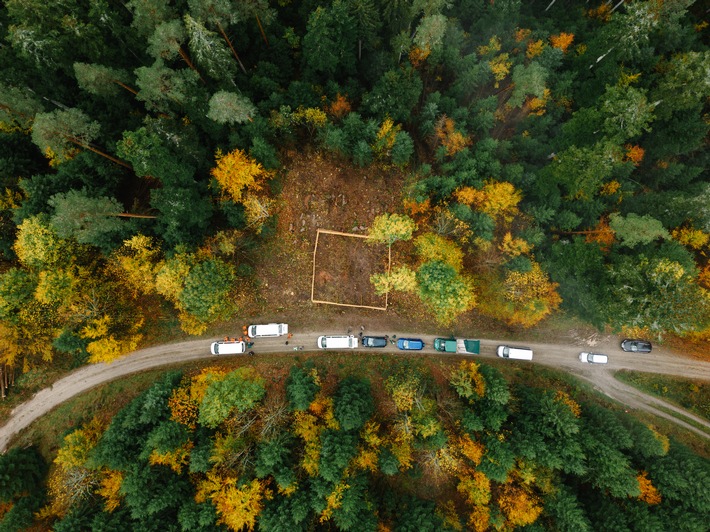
(634, 153)
(454, 141)
(602, 234)
(562, 41)
(418, 55)
(237, 174)
(649, 493)
(339, 107)
(518, 505)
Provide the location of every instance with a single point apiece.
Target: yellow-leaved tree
(107, 346)
(238, 504)
(388, 228)
(521, 297)
(237, 173)
(693, 238)
(401, 278)
(519, 506)
(497, 199)
(137, 263)
(71, 480)
(431, 246)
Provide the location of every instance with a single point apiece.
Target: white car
(227, 348)
(593, 358)
(270, 329)
(519, 353)
(338, 342)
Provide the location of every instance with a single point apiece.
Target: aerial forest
(541, 157)
(419, 447)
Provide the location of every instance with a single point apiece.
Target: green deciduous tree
(206, 291)
(444, 291)
(59, 133)
(239, 391)
(161, 87)
(184, 213)
(147, 14)
(582, 171)
(683, 83)
(395, 94)
(657, 294)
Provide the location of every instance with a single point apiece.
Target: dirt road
(563, 357)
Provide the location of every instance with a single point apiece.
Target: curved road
(554, 355)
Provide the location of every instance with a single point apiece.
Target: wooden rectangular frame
(313, 277)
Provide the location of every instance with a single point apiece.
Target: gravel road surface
(564, 357)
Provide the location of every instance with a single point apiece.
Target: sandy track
(563, 357)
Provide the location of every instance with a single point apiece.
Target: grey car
(374, 341)
(636, 346)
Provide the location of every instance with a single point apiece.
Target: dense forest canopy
(424, 447)
(554, 153)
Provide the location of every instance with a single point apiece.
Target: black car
(636, 346)
(374, 341)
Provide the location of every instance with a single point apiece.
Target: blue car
(410, 344)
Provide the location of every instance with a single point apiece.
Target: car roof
(416, 341)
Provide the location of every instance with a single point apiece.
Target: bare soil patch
(322, 193)
(343, 266)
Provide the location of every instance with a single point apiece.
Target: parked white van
(519, 353)
(593, 358)
(270, 329)
(227, 348)
(337, 342)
